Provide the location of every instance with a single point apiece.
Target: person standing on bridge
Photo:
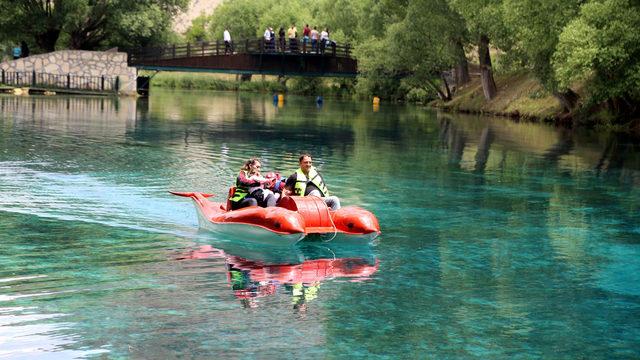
(281, 39)
(293, 38)
(273, 39)
(227, 41)
(314, 39)
(324, 38)
(305, 37)
(267, 39)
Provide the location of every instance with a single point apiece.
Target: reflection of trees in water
(620, 158)
(240, 119)
(452, 139)
(482, 154)
(65, 108)
(563, 146)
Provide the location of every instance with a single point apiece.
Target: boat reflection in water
(259, 271)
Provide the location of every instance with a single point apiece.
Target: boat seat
(232, 191)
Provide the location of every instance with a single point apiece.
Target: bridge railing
(248, 46)
(60, 81)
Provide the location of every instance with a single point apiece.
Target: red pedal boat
(294, 218)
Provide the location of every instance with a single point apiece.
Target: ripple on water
(499, 238)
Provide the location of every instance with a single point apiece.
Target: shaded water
(500, 239)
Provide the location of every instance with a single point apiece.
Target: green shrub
(417, 95)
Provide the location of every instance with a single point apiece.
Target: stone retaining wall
(80, 63)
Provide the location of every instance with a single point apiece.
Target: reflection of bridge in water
(249, 57)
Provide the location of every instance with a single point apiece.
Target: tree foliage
(601, 47)
(240, 17)
(87, 24)
(535, 26)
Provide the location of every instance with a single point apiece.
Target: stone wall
(80, 63)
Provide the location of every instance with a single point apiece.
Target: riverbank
(257, 83)
(520, 95)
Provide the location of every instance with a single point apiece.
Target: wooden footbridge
(257, 56)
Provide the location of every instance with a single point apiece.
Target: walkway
(248, 57)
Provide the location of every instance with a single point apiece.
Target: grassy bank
(519, 95)
(258, 83)
(201, 81)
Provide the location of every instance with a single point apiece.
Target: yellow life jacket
(241, 189)
(314, 178)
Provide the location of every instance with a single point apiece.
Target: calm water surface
(500, 239)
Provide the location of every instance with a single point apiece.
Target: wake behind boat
(294, 218)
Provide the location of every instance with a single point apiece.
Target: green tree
(143, 23)
(283, 14)
(601, 47)
(88, 24)
(198, 29)
(240, 17)
(41, 22)
(536, 25)
(419, 48)
(484, 23)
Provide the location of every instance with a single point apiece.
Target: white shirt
(227, 36)
(324, 35)
(267, 35)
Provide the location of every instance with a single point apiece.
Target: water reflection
(500, 237)
(297, 272)
(471, 141)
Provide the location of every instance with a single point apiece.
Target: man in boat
(306, 181)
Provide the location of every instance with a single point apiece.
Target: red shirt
(306, 31)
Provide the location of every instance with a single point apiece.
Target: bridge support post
(217, 47)
(3, 76)
(68, 81)
(33, 78)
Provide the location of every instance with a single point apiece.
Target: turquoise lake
(500, 239)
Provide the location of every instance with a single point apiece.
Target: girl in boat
(251, 187)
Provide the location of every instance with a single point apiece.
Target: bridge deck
(249, 57)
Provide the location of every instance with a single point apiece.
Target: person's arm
(242, 179)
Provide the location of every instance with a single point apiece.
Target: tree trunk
(47, 39)
(462, 66)
(568, 99)
(437, 89)
(486, 72)
(245, 77)
(447, 91)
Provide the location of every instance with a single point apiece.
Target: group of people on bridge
(254, 189)
(313, 41)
